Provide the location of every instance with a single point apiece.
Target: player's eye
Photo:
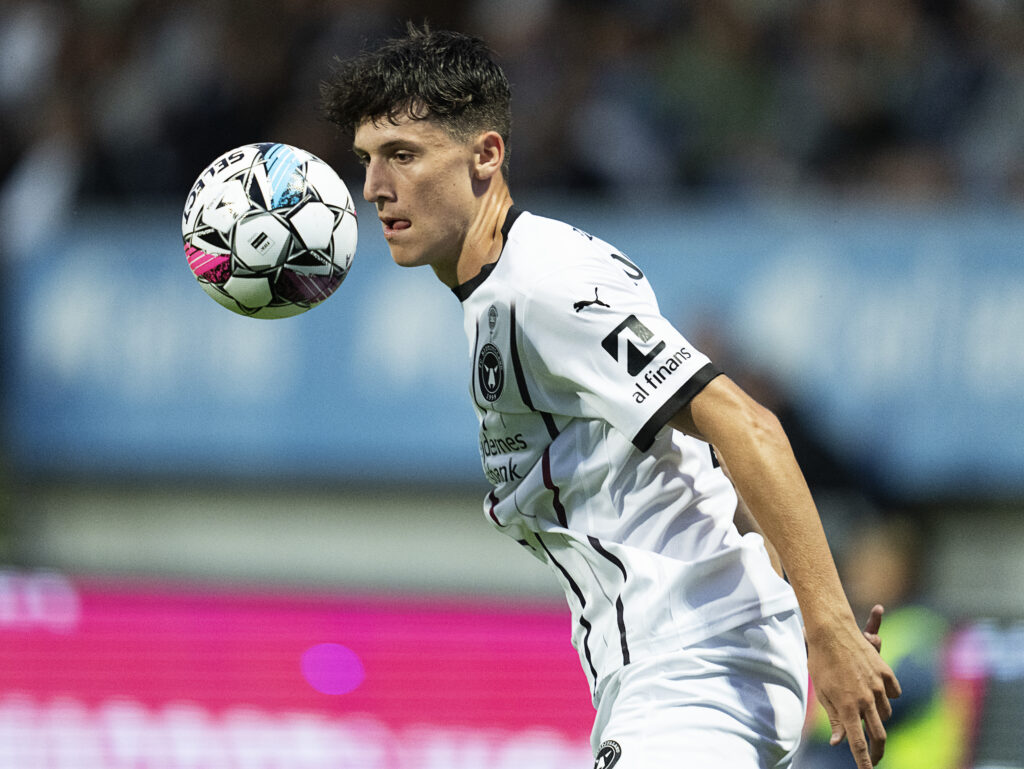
(403, 156)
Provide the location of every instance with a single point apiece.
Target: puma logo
(587, 302)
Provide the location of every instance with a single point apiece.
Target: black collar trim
(464, 290)
(510, 218)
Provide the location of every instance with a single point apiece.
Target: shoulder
(547, 241)
(557, 259)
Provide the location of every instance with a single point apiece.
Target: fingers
(872, 627)
(875, 734)
(892, 685)
(867, 741)
(838, 732)
(856, 697)
(862, 728)
(859, 747)
(883, 708)
(875, 620)
(874, 640)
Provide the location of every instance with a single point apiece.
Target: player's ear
(488, 154)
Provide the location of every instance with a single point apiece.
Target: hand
(854, 685)
(872, 626)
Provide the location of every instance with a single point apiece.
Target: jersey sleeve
(599, 347)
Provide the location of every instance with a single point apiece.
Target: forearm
(851, 680)
(770, 483)
(745, 523)
(757, 456)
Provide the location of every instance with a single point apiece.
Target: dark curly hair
(447, 77)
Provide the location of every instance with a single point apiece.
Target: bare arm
(746, 523)
(852, 681)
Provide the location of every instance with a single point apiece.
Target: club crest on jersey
(490, 371)
(608, 755)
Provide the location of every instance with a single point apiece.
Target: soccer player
(606, 435)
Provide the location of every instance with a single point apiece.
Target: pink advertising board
(128, 675)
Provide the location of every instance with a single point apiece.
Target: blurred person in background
(881, 561)
(845, 493)
(903, 99)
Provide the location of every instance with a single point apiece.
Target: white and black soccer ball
(269, 230)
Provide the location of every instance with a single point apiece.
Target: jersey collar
(463, 290)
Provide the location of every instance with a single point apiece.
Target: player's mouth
(393, 225)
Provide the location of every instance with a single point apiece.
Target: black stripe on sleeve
(682, 396)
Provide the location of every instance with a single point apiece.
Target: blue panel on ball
(282, 162)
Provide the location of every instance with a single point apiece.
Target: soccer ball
(269, 230)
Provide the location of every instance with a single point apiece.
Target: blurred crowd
(906, 99)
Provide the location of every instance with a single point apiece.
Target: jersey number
(632, 271)
(636, 359)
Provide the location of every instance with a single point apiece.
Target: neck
(483, 242)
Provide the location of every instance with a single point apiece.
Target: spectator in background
(844, 494)
(879, 556)
(891, 99)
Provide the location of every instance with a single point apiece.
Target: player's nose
(376, 186)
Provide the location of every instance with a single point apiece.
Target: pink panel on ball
(202, 263)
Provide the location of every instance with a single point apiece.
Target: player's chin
(405, 256)
(399, 254)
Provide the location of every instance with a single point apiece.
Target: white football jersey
(575, 375)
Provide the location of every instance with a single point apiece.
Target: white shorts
(737, 700)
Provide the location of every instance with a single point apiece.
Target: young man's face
(420, 179)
